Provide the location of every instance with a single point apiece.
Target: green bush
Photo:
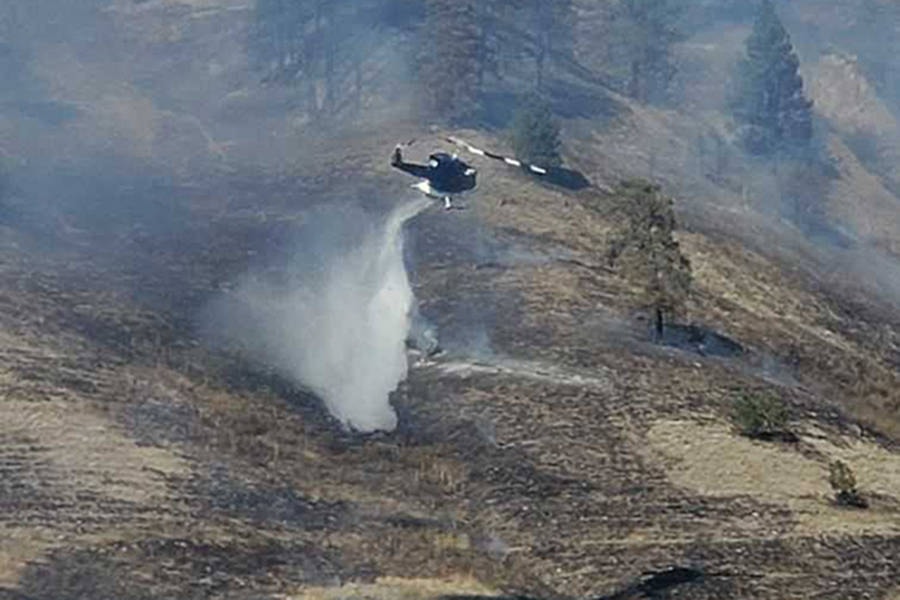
(535, 134)
(763, 416)
(843, 482)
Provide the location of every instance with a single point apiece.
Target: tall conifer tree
(647, 250)
(769, 101)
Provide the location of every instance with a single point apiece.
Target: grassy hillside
(568, 459)
(554, 451)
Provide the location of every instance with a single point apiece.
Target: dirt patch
(712, 460)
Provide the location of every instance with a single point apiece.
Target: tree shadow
(700, 340)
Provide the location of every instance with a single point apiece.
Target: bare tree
(551, 25)
(643, 34)
(452, 66)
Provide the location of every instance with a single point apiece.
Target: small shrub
(762, 417)
(843, 482)
(535, 134)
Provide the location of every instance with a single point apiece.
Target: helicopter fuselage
(444, 175)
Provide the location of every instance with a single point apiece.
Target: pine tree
(769, 102)
(453, 64)
(649, 253)
(535, 135)
(644, 33)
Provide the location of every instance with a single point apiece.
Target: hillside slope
(567, 458)
(554, 450)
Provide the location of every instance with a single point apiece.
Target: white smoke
(336, 322)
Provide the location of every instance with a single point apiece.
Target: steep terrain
(552, 451)
(568, 457)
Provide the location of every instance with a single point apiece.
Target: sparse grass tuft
(843, 482)
(762, 416)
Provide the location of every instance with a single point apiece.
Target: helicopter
(446, 175)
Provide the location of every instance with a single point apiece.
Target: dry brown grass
(448, 475)
(749, 296)
(861, 200)
(751, 282)
(395, 588)
(842, 94)
(712, 460)
(573, 485)
(755, 300)
(21, 545)
(550, 291)
(85, 452)
(78, 461)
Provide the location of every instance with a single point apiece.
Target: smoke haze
(335, 320)
(109, 102)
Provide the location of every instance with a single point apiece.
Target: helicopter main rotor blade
(510, 161)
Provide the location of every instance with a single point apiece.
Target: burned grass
(220, 494)
(568, 459)
(179, 568)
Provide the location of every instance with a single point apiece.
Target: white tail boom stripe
(512, 161)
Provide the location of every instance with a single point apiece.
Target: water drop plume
(336, 317)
